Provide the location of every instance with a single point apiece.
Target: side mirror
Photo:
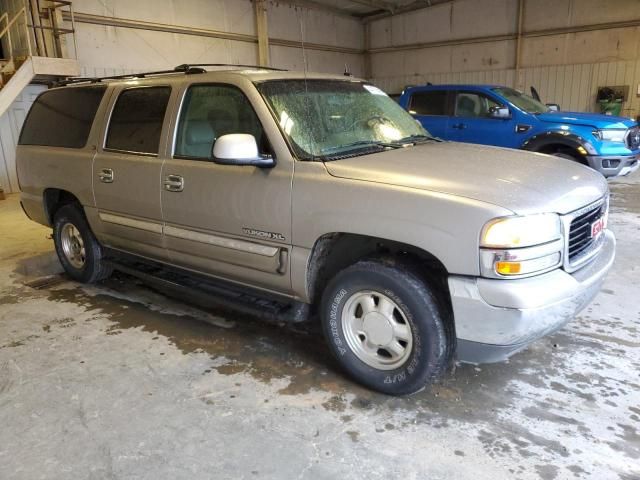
(499, 112)
(240, 149)
(554, 107)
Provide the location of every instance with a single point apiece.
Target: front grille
(633, 138)
(580, 240)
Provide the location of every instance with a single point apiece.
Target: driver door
(472, 123)
(229, 221)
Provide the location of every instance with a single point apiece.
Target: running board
(206, 290)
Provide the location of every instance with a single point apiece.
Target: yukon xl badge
(266, 235)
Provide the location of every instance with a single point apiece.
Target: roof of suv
(253, 74)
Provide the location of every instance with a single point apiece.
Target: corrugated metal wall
(574, 87)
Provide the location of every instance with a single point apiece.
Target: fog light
(608, 163)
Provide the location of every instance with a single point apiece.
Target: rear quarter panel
(69, 169)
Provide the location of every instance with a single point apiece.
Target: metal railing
(7, 30)
(49, 13)
(33, 29)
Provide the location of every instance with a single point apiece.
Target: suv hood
(591, 119)
(523, 182)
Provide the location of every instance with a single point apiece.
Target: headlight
(518, 247)
(516, 232)
(610, 135)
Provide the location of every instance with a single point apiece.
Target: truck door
(430, 108)
(472, 122)
(226, 220)
(126, 171)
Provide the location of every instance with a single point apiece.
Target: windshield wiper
(419, 138)
(359, 145)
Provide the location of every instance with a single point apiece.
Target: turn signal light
(508, 268)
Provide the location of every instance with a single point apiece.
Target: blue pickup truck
(502, 116)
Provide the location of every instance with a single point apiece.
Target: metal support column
(263, 33)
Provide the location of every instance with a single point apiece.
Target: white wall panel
(115, 49)
(566, 68)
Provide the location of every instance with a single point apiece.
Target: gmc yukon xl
(320, 195)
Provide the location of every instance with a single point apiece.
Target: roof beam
(312, 4)
(377, 4)
(416, 5)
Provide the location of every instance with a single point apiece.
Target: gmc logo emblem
(597, 227)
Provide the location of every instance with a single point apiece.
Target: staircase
(34, 46)
(22, 67)
(13, 80)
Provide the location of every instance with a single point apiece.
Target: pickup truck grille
(633, 138)
(580, 240)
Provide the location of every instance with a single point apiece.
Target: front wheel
(386, 328)
(78, 249)
(569, 156)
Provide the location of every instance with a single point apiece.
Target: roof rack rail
(185, 68)
(258, 67)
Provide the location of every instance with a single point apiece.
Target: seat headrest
(199, 132)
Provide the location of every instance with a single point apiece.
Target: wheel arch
(560, 141)
(54, 199)
(333, 252)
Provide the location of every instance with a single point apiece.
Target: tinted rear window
(62, 117)
(429, 103)
(136, 121)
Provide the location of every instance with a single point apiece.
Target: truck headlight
(517, 232)
(611, 135)
(521, 246)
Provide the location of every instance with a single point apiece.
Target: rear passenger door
(126, 171)
(226, 220)
(472, 122)
(430, 108)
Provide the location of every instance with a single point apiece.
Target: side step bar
(206, 290)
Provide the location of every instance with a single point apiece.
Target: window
(521, 100)
(474, 105)
(429, 103)
(210, 111)
(136, 120)
(62, 117)
(327, 119)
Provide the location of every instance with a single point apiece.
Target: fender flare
(559, 137)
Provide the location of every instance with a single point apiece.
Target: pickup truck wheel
(79, 252)
(569, 156)
(385, 326)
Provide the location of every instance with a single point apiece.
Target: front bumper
(614, 165)
(496, 318)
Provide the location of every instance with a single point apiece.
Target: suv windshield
(330, 119)
(522, 100)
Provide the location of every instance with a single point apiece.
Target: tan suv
(309, 196)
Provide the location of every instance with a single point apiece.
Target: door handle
(106, 175)
(174, 183)
(459, 126)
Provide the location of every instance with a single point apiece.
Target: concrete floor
(119, 381)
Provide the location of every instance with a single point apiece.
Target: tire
(78, 250)
(569, 156)
(375, 361)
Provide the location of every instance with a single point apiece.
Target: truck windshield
(521, 100)
(332, 119)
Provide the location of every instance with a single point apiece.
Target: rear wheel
(386, 328)
(78, 249)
